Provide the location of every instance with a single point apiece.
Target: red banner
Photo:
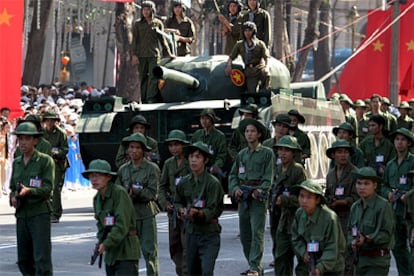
(369, 71)
(11, 33)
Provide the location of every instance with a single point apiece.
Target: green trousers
(147, 235)
(252, 222)
(176, 238)
(34, 247)
(57, 192)
(284, 254)
(202, 252)
(149, 87)
(400, 250)
(368, 265)
(121, 268)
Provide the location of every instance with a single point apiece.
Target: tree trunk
(281, 38)
(36, 43)
(321, 59)
(127, 81)
(310, 35)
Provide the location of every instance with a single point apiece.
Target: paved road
(73, 240)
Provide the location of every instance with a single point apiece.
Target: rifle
(397, 196)
(276, 191)
(355, 252)
(247, 194)
(221, 17)
(95, 255)
(18, 200)
(312, 263)
(174, 213)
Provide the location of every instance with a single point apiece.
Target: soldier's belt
(250, 182)
(374, 253)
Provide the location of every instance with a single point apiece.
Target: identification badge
(286, 192)
(379, 158)
(313, 246)
(278, 161)
(242, 169)
(354, 231)
(177, 180)
(199, 203)
(211, 150)
(403, 180)
(138, 186)
(339, 191)
(35, 182)
(365, 129)
(109, 220)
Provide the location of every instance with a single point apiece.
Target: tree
(281, 38)
(36, 42)
(321, 59)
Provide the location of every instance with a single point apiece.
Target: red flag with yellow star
(11, 33)
(369, 71)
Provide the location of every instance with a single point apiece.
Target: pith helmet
(251, 108)
(249, 25)
(405, 105)
(338, 144)
(259, 126)
(50, 114)
(99, 166)
(405, 132)
(283, 119)
(359, 103)
(149, 4)
(367, 173)
(210, 113)
(346, 126)
(312, 187)
(386, 101)
(288, 141)
(198, 146)
(136, 137)
(345, 98)
(27, 128)
(177, 135)
(295, 112)
(35, 119)
(139, 119)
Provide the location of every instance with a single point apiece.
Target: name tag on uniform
(177, 180)
(379, 158)
(354, 231)
(286, 192)
(403, 180)
(313, 246)
(211, 150)
(278, 161)
(138, 186)
(242, 169)
(199, 203)
(365, 129)
(339, 190)
(109, 220)
(35, 182)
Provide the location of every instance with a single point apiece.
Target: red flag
(369, 71)
(11, 30)
(121, 1)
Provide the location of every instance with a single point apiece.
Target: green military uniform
(235, 34)
(187, 29)
(404, 122)
(263, 23)
(375, 221)
(122, 156)
(377, 155)
(42, 146)
(363, 130)
(145, 45)
(390, 120)
(252, 170)
(285, 181)
(396, 177)
(144, 182)
(171, 177)
(121, 243)
(216, 141)
(322, 232)
(409, 217)
(34, 256)
(60, 147)
(304, 143)
(202, 234)
(254, 63)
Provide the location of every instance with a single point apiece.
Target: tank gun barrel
(178, 77)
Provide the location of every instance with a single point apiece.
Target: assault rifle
(247, 195)
(312, 263)
(397, 196)
(95, 255)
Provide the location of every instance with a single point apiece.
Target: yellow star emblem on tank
(237, 77)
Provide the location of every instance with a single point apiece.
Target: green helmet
(139, 119)
(177, 135)
(50, 114)
(27, 128)
(136, 137)
(99, 166)
(289, 142)
(346, 126)
(337, 145)
(198, 146)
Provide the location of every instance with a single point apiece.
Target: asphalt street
(73, 241)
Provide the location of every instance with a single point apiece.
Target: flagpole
(395, 42)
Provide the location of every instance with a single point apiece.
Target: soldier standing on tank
(140, 178)
(146, 51)
(199, 203)
(249, 183)
(288, 175)
(261, 19)
(376, 148)
(232, 24)
(183, 28)
(138, 125)
(31, 186)
(59, 142)
(174, 169)
(396, 184)
(214, 138)
(255, 55)
(340, 192)
(317, 236)
(297, 118)
(116, 222)
(370, 230)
